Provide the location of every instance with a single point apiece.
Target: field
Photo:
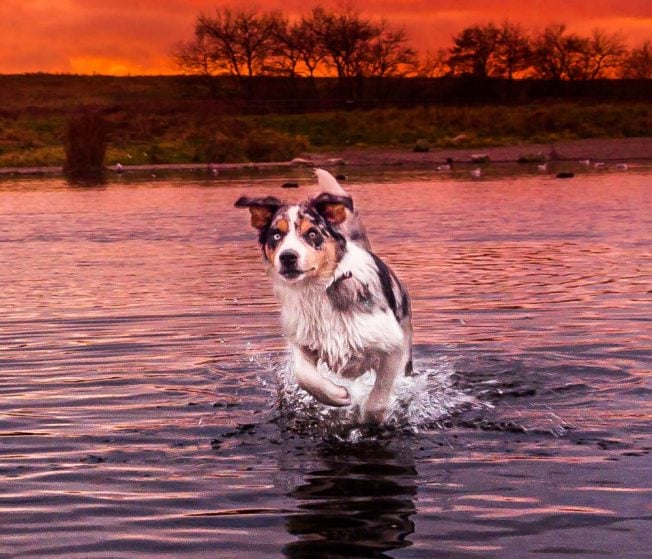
(173, 120)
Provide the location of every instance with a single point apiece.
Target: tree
(389, 54)
(286, 52)
(474, 50)
(604, 54)
(311, 50)
(513, 50)
(435, 64)
(559, 55)
(637, 64)
(220, 35)
(196, 57)
(238, 43)
(346, 39)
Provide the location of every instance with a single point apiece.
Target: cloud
(137, 36)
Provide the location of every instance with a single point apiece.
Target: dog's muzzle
(289, 260)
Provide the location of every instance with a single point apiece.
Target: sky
(137, 36)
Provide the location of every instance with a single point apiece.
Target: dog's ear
(262, 209)
(332, 207)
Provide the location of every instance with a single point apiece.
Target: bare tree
(300, 44)
(286, 51)
(310, 47)
(238, 43)
(196, 57)
(346, 38)
(604, 54)
(474, 51)
(638, 63)
(514, 50)
(435, 64)
(559, 55)
(219, 34)
(389, 53)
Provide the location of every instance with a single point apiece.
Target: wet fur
(346, 308)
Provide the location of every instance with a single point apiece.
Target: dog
(340, 303)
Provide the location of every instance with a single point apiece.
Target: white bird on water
(586, 162)
(119, 168)
(476, 173)
(543, 167)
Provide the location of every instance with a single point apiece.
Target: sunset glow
(137, 36)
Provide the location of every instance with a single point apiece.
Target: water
(141, 411)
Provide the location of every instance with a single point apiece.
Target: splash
(418, 401)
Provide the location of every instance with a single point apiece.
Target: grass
(154, 121)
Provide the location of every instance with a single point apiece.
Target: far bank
(187, 133)
(594, 151)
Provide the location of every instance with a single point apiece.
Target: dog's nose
(288, 258)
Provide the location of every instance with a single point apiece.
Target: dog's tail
(352, 227)
(328, 183)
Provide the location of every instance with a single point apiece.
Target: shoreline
(601, 149)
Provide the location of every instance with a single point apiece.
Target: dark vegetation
(85, 143)
(176, 120)
(260, 87)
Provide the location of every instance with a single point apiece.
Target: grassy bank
(149, 126)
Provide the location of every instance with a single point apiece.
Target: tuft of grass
(241, 141)
(272, 145)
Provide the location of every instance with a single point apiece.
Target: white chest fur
(311, 321)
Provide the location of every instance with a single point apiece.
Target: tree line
(509, 51)
(247, 42)
(244, 43)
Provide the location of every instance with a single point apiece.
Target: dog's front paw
(331, 395)
(374, 417)
(340, 397)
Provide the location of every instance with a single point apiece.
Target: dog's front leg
(391, 365)
(322, 389)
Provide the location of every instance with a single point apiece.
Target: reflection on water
(356, 503)
(140, 349)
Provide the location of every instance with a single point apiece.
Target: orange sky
(136, 36)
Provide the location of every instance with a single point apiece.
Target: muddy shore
(625, 149)
(601, 149)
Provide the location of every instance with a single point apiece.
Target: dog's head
(303, 241)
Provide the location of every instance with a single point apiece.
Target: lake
(145, 406)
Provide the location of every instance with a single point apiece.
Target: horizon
(86, 38)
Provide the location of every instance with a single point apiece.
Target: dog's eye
(276, 237)
(314, 238)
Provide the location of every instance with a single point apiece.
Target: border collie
(340, 303)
